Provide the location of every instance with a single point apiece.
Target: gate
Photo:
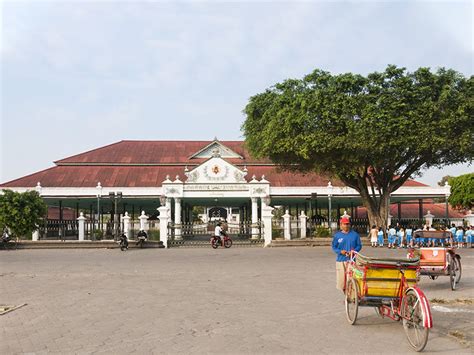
(198, 234)
(59, 229)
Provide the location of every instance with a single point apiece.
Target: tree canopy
(371, 132)
(462, 191)
(21, 212)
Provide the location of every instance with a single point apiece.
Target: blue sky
(78, 75)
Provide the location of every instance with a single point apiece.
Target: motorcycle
(141, 238)
(123, 242)
(6, 240)
(224, 240)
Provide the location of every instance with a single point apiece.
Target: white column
(35, 235)
(143, 221)
(267, 214)
(254, 217)
(177, 218)
(164, 219)
(303, 219)
(429, 219)
(168, 204)
(126, 225)
(287, 225)
(81, 221)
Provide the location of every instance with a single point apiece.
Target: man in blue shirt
(343, 242)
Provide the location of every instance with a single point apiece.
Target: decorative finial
(186, 169)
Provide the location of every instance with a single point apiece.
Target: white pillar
(81, 221)
(35, 235)
(429, 219)
(287, 225)
(303, 219)
(168, 204)
(177, 218)
(126, 225)
(164, 219)
(267, 214)
(143, 221)
(389, 220)
(254, 217)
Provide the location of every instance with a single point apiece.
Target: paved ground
(240, 300)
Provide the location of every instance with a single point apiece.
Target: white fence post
(429, 218)
(303, 220)
(126, 225)
(143, 221)
(287, 225)
(81, 220)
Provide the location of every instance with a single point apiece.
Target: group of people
(400, 237)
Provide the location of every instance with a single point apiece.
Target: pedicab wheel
(412, 316)
(228, 243)
(352, 301)
(214, 243)
(458, 269)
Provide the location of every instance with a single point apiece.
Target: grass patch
(457, 334)
(455, 301)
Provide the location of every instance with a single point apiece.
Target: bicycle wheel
(228, 243)
(352, 301)
(413, 316)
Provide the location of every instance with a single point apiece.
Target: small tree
(22, 213)
(462, 191)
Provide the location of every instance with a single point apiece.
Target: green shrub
(154, 235)
(322, 232)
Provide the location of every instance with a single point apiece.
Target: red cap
(345, 220)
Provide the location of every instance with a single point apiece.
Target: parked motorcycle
(7, 240)
(123, 242)
(142, 237)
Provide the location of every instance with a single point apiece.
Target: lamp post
(446, 194)
(99, 194)
(115, 197)
(330, 190)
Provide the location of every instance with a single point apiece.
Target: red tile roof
(410, 210)
(146, 164)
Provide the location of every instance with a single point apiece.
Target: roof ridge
(88, 151)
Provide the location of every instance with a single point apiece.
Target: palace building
(210, 179)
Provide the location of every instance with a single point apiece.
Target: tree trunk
(378, 212)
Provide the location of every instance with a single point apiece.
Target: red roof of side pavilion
(147, 163)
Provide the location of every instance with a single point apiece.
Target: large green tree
(371, 132)
(462, 191)
(22, 213)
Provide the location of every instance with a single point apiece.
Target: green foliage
(322, 232)
(21, 212)
(462, 191)
(371, 132)
(444, 180)
(154, 235)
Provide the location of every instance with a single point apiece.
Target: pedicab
(390, 286)
(439, 261)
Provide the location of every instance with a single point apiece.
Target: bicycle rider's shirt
(218, 231)
(345, 241)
